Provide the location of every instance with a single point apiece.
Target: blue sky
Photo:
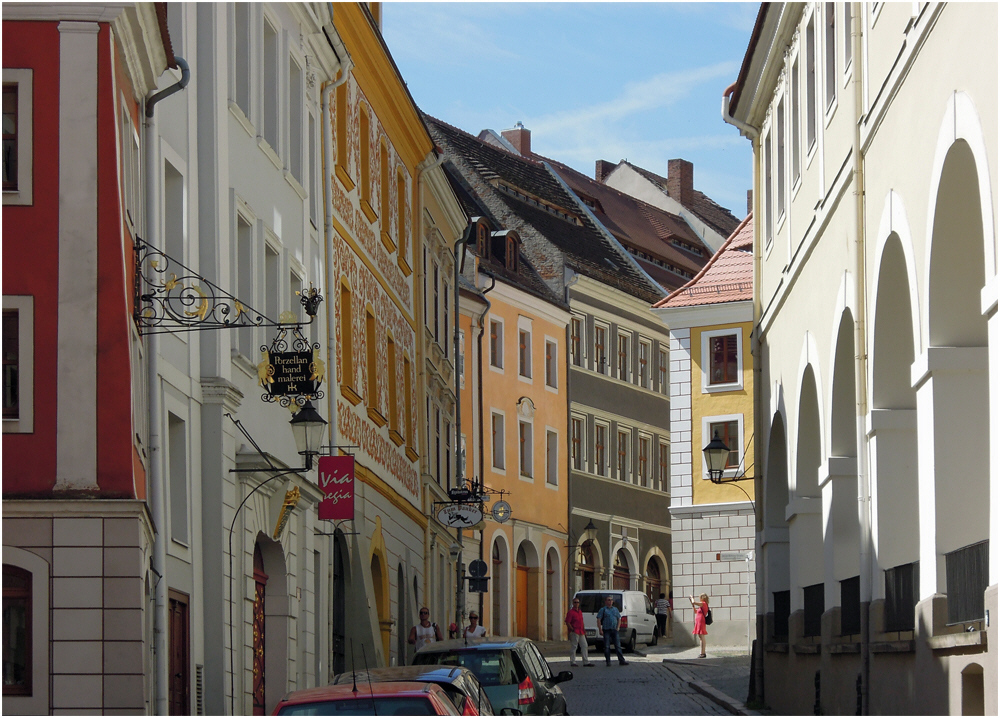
(612, 81)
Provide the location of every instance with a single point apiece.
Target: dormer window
(482, 240)
(512, 246)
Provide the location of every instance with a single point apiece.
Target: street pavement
(664, 680)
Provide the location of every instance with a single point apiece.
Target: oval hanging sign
(460, 515)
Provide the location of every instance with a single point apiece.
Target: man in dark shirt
(609, 619)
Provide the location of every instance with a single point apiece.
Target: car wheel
(656, 637)
(630, 646)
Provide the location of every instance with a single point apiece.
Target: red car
(365, 699)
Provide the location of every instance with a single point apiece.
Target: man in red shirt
(577, 636)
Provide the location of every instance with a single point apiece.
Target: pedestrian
(663, 611)
(577, 636)
(425, 631)
(609, 619)
(474, 630)
(700, 612)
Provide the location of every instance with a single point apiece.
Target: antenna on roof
(354, 674)
(371, 692)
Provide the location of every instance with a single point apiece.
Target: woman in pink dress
(700, 611)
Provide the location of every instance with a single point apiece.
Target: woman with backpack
(702, 617)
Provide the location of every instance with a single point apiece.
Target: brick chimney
(680, 181)
(520, 138)
(602, 169)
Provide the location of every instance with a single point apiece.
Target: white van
(638, 617)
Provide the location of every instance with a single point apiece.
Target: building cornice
(706, 315)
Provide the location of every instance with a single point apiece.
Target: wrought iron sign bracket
(171, 298)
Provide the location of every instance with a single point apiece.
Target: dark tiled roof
(640, 226)
(523, 195)
(728, 276)
(714, 215)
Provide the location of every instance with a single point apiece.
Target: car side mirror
(563, 676)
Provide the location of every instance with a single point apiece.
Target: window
(448, 336)
(811, 84)
(551, 364)
(782, 611)
(624, 455)
(848, 19)
(17, 134)
(407, 406)
(600, 348)
(130, 160)
(364, 164)
(511, 258)
(296, 105)
(780, 161)
(313, 174)
(793, 124)
(498, 442)
(17, 627)
(437, 303)
(437, 443)
(13, 351)
(241, 46)
(245, 281)
(902, 592)
(401, 210)
(460, 359)
(768, 229)
(831, 54)
(496, 343)
(371, 388)
(447, 449)
(527, 455)
(178, 477)
(644, 448)
(576, 443)
(383, 204)
(576, 341)
(645, 349)
(271, 100)
(600, 449)
(524, 353)
(482, 240)
(662, 368)
(551, 458)
(272, 269)
(391, 382)
(664, 467)
(813, 603)
(850, 606)
(624, 355)
(729, 433)
(722, 357)
(173, 213)
(347, 335)
(342, 148)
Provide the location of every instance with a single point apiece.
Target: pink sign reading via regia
(336, 481)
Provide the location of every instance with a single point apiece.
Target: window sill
(776, 647)
(269, 152)
(844, 648)
(396, 437)
(352, 396)
(721, 388)
(894, 646)
(245, 123)
(957, 640)
(807, 649)
(369, 211)
(344, 177)
(376, 416)
(387, 242)
(404, 266)
(299, 189)
(411, 453)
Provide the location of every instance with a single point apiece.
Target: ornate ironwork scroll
(171, 298)
(291, 369)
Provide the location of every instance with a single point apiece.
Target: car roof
(435, 673)
(346, 692)
(474, 644)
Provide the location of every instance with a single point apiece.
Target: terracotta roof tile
(728, 276)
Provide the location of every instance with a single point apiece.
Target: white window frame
(551, 367)
(629, 474)
(607, 449)
(646, 383)
(663, 359)
(551, 457)
(662, 483)
(706, 435)
(24, 193)
(581, 464)
(526, 450)
(24, 305)
(581, 358)
(500, 341)
(644, 479)
(242, 211)
(179, 545)
(706, 362)
(525, 370)
(606, 328)
(460, 360)
(501, 443)
(627, 336)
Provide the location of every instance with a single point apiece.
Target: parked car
(461, 684)
(638, 617)
(384, 699)
(512, 670)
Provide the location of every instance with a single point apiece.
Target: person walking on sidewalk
(425, 631)
(609, 619)
(577, 636)
(700, 614)
(663, 611)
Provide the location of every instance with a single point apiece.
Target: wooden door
(180, 656)
(522, 601)
(260, 586)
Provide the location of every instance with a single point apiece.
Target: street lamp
(308, 428)
(716, 455)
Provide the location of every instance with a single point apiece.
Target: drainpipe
(753, 134)
(158, 562)
(479, 368)
(459, 479)
(861, 372)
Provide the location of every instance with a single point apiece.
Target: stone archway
(275, 619)
(527, 592)
(805, 524)
(775, 547)
(500, 587)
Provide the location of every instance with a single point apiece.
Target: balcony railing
(966, 570)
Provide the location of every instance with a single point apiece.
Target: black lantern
(716, 455)
(308, 427)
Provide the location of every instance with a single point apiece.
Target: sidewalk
(723, 677)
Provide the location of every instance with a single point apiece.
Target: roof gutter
(748, 131)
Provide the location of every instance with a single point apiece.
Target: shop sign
(336, 481)
(460, 516)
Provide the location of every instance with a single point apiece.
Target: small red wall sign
(336, 481)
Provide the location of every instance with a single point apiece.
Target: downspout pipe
(460, 245)
(748, 131)
(157, 495)
(479, 367)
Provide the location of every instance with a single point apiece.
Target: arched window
(587, 566)
(621, 578)
(16, 631)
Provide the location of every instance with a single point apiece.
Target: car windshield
(492, 668)
(593, 602)
(388, 706)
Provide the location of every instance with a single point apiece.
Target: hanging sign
(461, 516)
(336, 481)
(286, 373)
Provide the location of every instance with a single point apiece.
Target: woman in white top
(474, 630)
(425, 631)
